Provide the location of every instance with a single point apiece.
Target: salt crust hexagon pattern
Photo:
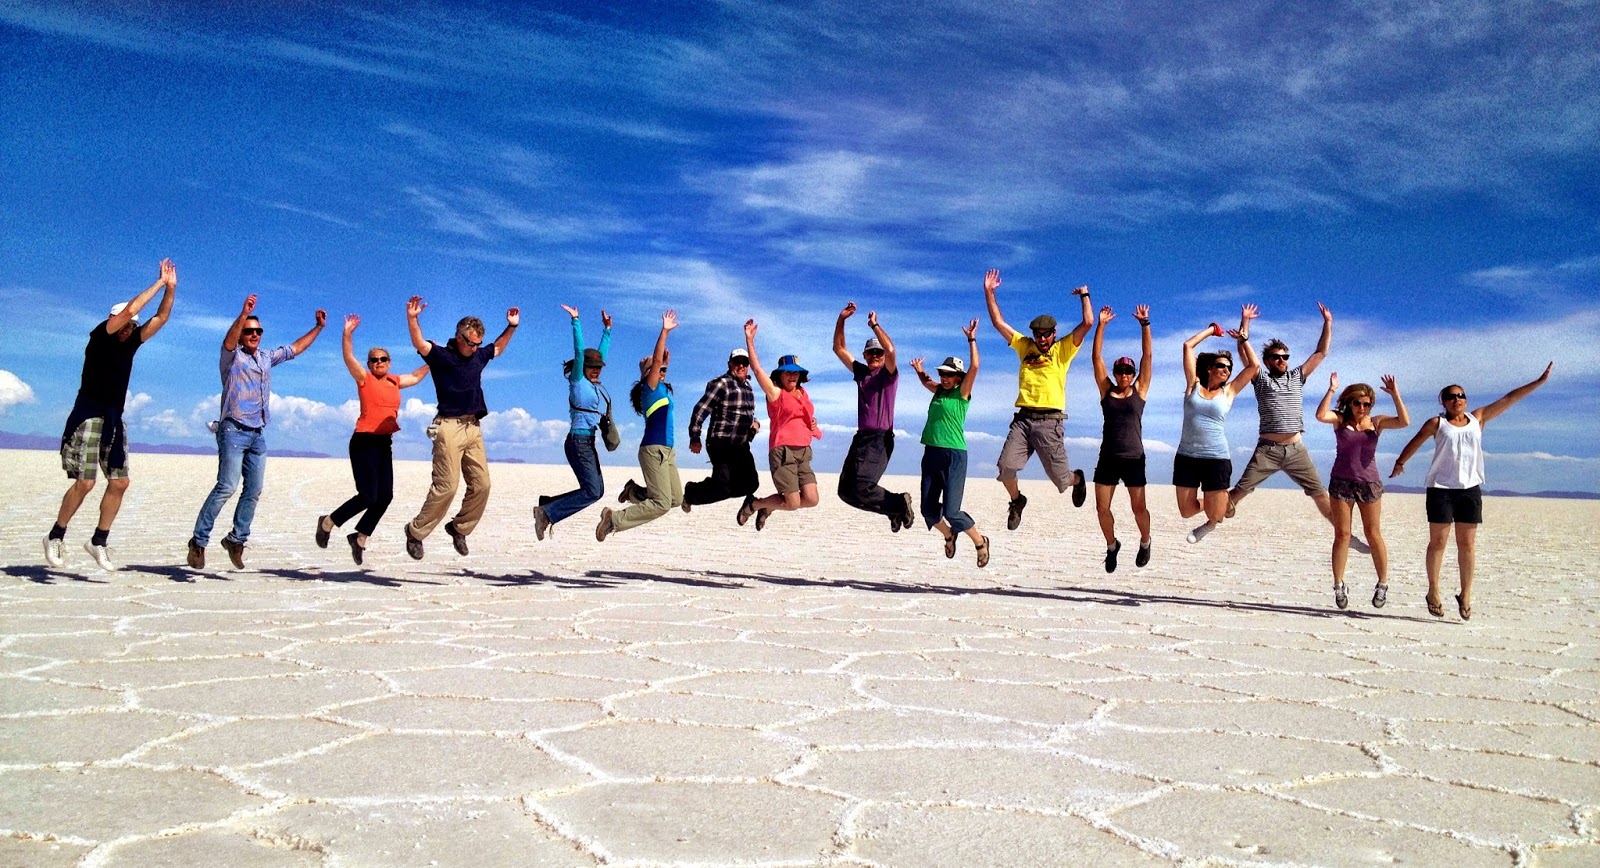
(861, 704)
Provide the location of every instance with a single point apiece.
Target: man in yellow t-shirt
(1041, 399)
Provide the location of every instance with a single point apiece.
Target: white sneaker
(1200, 532)
(101, 555)
(53, 551)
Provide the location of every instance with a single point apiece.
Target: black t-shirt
(107, 367)
(458, 380)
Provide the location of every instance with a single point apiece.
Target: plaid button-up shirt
(731, 404)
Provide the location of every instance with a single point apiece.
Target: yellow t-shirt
(1042, 377)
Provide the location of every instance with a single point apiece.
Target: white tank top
(1457, 455)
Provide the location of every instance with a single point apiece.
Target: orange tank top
(380, 405)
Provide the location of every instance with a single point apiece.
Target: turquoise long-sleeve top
(585, 400)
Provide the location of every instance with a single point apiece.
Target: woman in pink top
(371, 446)
(791, 426)
(1354, 483)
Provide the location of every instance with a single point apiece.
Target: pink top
(790, 417)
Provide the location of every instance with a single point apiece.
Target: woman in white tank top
(1454, 492)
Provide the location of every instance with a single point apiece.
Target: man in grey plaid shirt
(730, 403)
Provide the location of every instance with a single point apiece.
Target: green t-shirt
(947, 420)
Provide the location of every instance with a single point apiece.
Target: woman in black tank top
(1122, 397)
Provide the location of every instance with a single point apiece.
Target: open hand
(1389, 387)
(1106, 314)
(749, 328)
(1142, 313)
(414, 306)
(848, 311)
(350, 322)
(991, 280)
(971, 330)
(571, 311)
(669, 320)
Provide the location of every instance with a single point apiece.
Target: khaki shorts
(1291, 458)
(791, 468)
(88, 448)
(1032, 434)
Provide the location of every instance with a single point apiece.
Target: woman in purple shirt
(1354, 482)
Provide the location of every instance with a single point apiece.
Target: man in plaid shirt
(731, 404)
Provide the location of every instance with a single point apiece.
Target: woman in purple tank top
(1354, 482)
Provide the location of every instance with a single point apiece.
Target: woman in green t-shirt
(944, 456)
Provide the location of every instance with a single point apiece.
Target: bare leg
(1466, 558)
(972, 534)
(1141, 513)
(73, 499)
(111, 502)
(1216, 506)
(1371, 520)
(1324, 505)
(1102, 510)
(1341, 540)
(808, 496)
(1438, 536)
(1011, 487)
(1188, 502)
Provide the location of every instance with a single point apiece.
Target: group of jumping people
(95, 438)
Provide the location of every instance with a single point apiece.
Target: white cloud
(517, 426)
(13, 391)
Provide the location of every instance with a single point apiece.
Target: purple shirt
(247, 382)
(1355, 455)
(875, 397)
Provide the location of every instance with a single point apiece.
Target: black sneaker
(1111, 556)
(746, 509)
(1014, 512)
(322, 535)
(1143, 557)
(197, 555)
(413, 545)
(894, 522)
(356, 549)
(457, 539)
(1080, 490)
(235, 550)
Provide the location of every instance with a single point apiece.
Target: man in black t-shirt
(94, 437)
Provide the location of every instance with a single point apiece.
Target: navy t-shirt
(458, 379)
(107, 367)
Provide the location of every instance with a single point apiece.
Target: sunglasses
(1361, 403)
(1044, 334)
(1278, 357)
(1222, 367)
(377, 360)
(1455, 396)
(250, 331)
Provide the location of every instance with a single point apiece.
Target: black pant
(372, 464)
(864, 465)
(733, 474)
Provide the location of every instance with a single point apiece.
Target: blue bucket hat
(791, 363)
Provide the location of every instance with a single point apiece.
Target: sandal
(1435, 607)
(1464, 609)
(950, 546)
(983, 553)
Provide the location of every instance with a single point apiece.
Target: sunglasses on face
(1048, 334)
(1222, 367)
(1455, 396)
(1361, 403)
(377, 360)
(468, 342)
(250, 331)
(1278, 357)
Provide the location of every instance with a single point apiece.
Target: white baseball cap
(121, 306)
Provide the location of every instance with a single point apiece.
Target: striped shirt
(731, 405)
(1281, 402)
(247, 383)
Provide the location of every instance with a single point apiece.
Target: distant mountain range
(9, 440)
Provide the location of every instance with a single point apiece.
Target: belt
(1040, 413)
(243, 427)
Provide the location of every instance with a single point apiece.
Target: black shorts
(1206, 474)
(1128, 471)
(1458, 505)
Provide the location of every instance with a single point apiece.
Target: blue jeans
(585, 463)
(944, 482)
(240, 452)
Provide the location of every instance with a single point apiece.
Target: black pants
(372, 464)
(864, 465)
(733, 474)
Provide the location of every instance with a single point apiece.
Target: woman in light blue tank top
(1202, 464)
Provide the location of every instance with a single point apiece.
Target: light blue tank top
(1203, 432)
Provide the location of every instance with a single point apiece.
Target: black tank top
(1123, 435)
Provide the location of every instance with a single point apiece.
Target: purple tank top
(1355, 455)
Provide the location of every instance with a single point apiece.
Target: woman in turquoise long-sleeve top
(587, 400)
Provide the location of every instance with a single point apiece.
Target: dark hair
(566, 369)
(1274, 344)
(636, 394)
(1448, 389)
(1204, 361)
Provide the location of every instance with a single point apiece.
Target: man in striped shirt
(730, 404)
(1281, 404)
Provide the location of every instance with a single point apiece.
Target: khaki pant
(663, 489)
(457, 453)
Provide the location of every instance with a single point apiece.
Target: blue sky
(1425, 170)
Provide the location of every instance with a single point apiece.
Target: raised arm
(513, 319)
(116, 322)
(1082, 328)
(971, 331)
(406, 381)
(1325, 411)
(230, 341)
(169, 276)
(839, 348)
(922, 376)
(347, 344)
(1401, 418)
(1504, 402)
(1247, 353)
(577, 344)
(605, 336)
(767, 388)
(1147, 355)
(1190, 377)
(883, 338)
(1101, 378)
(1321, 352)
(414, 307)
(304, 342)
(1427, 430)
(658, 357)
(991, 282)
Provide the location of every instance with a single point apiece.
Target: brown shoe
(606, 525)
(197, 555)
(413, 545)
(457, 538)
(235, 550)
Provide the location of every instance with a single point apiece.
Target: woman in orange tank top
(371, 446)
